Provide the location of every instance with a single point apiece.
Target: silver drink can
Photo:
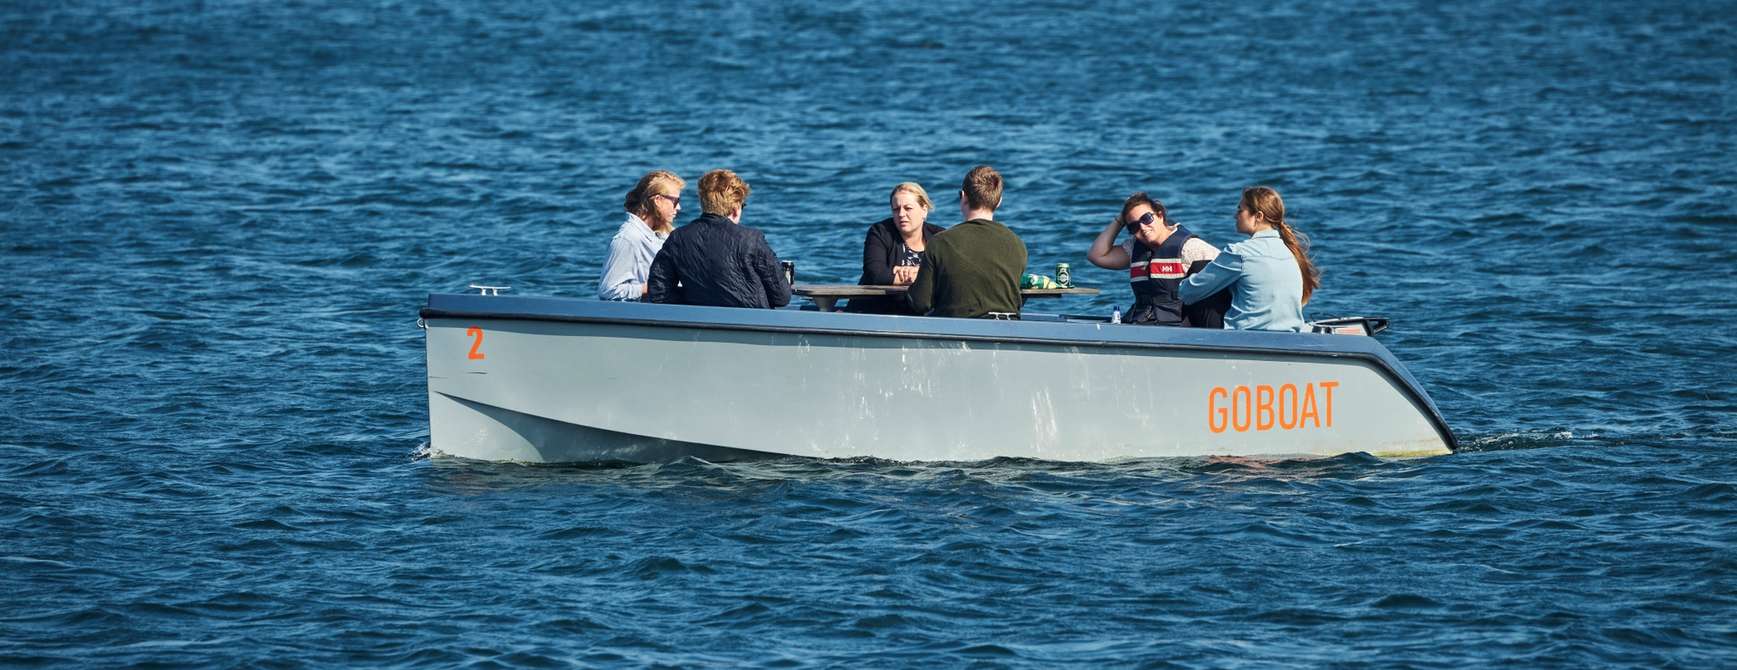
(1062, 276)
(789, 271)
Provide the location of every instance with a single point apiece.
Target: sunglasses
(1144, 220)
(673, 199)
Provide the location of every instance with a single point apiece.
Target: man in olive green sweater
(972, 270)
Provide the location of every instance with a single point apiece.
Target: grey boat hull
(565, 380)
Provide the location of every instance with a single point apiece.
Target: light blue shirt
(1267, 285)
(629, 263)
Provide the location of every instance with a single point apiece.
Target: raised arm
(1221, 272)
(1105, 253)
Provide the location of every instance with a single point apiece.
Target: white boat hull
(548, 380)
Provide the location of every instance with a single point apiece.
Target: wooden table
(827, 295)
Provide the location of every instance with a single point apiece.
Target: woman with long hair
(1270, 274)
(651, 207)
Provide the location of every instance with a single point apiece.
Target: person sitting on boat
(894, 249)
(714, 261)
(1159, 253)
(651, 207)
(1270, 273)
(972, 269)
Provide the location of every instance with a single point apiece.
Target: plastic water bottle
(1116, 315)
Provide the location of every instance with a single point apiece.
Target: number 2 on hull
(476, 353)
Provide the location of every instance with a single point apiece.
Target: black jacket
(717, 262)
(880, 250)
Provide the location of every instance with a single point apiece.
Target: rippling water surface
(220, 217)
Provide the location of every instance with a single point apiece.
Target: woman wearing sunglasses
(651, 207)
(1270, 274)
(1157, 255)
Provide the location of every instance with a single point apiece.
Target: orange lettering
(1264, 407)
(1217, 418)
(1261, 407)
(1329, 386)
(476, 353)
(1241, 408)
(1308, 410)
(1288, 411)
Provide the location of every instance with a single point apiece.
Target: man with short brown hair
(714, 261)
(972, 269)
(981, 190)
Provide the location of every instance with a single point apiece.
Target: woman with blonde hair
(651, 207)
(894, 249)
(1270, 274)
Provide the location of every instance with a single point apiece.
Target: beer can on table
(789, 271)
(1062, 276)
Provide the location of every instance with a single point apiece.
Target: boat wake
(1530, 439)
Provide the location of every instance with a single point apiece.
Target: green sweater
(970, 270)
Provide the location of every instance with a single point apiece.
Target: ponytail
(1298, 243)
(1265, 203)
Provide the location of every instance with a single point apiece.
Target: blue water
(219, 219)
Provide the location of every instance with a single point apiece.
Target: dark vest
(1156, 275)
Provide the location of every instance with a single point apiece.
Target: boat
(556, 380)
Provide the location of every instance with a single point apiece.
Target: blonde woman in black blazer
(894, 248)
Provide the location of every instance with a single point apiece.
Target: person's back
(1267, 293)
(972, 269)
(1270, 274)
(713, 261)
